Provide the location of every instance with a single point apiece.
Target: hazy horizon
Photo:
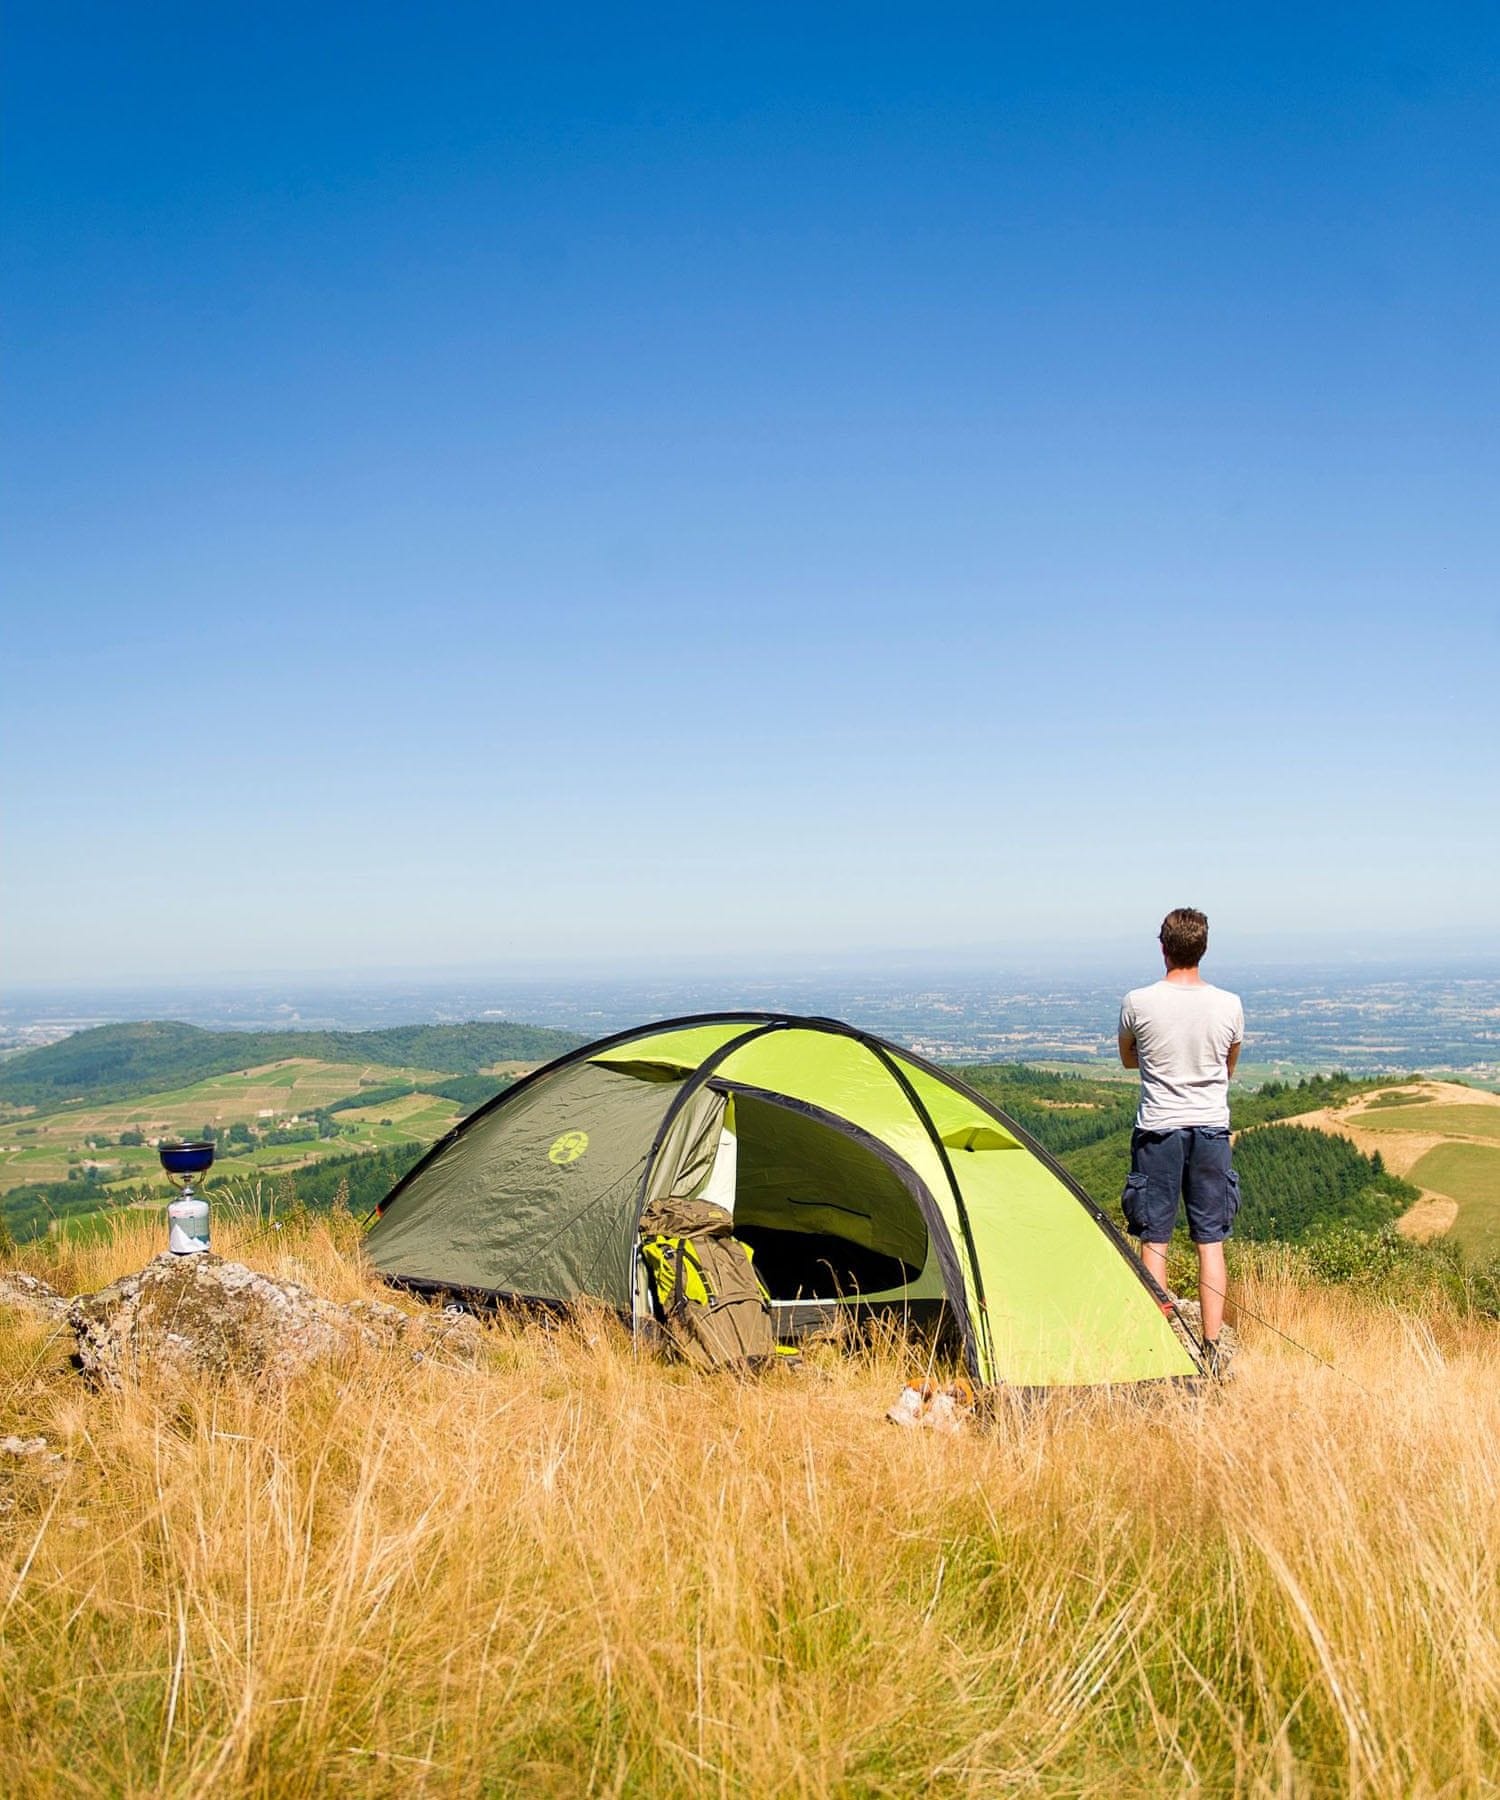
(1300, 1016)
(1427, 951)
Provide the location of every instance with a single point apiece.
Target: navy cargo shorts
(1192, 1162)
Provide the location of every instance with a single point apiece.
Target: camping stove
(187, 1216)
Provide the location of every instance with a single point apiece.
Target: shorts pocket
(1231, 1198)
(1133, 1204)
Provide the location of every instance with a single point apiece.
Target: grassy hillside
(1444, 1138)
(119, 1062)
(282, 1119)
(575, 1571)
(1470, 1175)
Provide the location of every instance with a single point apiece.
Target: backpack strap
(677, 1272)
(690, 1263)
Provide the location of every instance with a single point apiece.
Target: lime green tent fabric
(861, 1175)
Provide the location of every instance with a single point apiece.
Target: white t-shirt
(1183, 1032)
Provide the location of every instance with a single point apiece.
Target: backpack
(714, 1309)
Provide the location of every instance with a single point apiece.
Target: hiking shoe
(1215, 1359)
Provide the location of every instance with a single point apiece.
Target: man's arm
(1131, 1057)
(1239, 1039)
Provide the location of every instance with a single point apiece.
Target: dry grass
(572, 1570)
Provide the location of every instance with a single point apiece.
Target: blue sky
(486, 486)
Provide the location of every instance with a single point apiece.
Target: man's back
(1183, 1032)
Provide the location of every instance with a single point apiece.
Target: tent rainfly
(859, 1174)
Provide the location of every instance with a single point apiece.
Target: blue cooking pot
(185, 1159)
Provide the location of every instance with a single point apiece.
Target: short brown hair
(1184, 937)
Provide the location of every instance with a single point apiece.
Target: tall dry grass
(574, 1570)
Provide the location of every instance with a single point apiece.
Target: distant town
(1300, 1018)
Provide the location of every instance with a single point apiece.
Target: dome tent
(859, 1173)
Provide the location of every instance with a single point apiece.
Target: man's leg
(1213, 1281)
(1211, 1194)
(1151, 1194)
(1154, 1256)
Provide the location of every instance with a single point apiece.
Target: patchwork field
(83, 1140)
(1458, 1120)
(340, 1111)
(415, 1112)
(1442, 1136)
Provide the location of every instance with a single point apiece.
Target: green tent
(860, 1175)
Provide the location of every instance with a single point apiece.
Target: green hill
(121, 1062)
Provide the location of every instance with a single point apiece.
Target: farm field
(1449, 1121)
(1443, 1137)
(1469, 1175)
(278, 1105)
(43, 1146)
(413, 1112)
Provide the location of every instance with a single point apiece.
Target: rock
(1190, 1315)
(30, 1295)
(23, 1460)
(202, 1316)
(386, 1324)
(450, 1334)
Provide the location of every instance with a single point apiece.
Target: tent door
(829, 1211)
(721, 1185)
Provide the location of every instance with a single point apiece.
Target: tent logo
(568, 1148)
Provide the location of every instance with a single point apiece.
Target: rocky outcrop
(27, 1294)
(200, 1316)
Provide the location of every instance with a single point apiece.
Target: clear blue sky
(490, 481)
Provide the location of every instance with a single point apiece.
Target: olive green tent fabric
(686, 1158)
(537, 1198)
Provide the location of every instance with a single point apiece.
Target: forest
(1295, 1183)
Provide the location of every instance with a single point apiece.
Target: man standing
(1184, 1036)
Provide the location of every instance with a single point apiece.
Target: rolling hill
(318, 1111)
(1443, 1138)
(119, 1062)
(1292, 1186)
